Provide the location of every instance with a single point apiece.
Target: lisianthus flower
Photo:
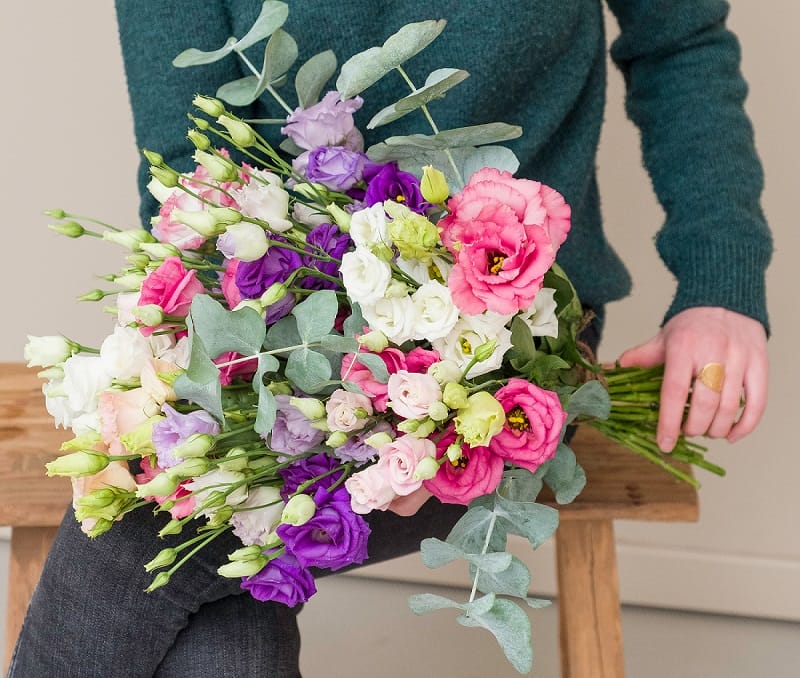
(370, 489)
(476, 472)
(400, 458)
(175, 428)
(292, 432)
(389, 182)
(258, 515)
(254, 277)
(356, 449)
(116, 474)
(541, 317)
(411, 394)
(534, 419)
(470, 332)
(327, 123)
(320, 466)
(125, 352)
(347, 411)
(231, 366)
(264, 198)
(358, 373)
(435, 314)
(369, 227)
(184, 502)
(365, 276)
(120, 413)
(337, 167)
(171, 287)
(391, 315)
(283, 580)
(328, 239)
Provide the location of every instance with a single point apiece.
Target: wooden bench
(620, 485)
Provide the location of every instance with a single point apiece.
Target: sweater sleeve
(151, 35)
(685, 92)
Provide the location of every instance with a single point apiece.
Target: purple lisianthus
(327, 123)
(254, 277)
(335, 536)
(274, 312)
(282, 580)
(292, 432)
(306, 469)
(329, 239)
(336, 167)
(175, 429)
(355, 449)
(389, 182)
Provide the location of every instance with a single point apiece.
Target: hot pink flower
(534, 418)
(228, 284)
(184, 502)
(245, 369)
(355, 371)
(478, 472)
(171, 287)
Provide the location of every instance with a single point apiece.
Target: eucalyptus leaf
(514, 580)
(312, 76)
(316, 315)
(474, 135)
(283, 334)
(470, 532)
(239, 92)
(511, 627)
(422, 603)
(196, 57)
(266, 363)
(279, 56)
(437, 83)
(564, 475)
(352, 387)
(590, 400)
(366, 68)
(519, 484)
(536, 522)
(289, 146)
(480, 606)
(272, 16)
(354, 323)
(267, 412)
(221, 330)
(308, 370)
(375, 365)
(436, 553)
(200, 383)
(339, 344)
(491, 562)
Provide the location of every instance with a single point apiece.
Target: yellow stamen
(496, 263)
(400, 198)
(466, 347)
(517, 419)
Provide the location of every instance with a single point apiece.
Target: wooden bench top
(621, 485)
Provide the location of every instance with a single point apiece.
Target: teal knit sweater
(539, 64)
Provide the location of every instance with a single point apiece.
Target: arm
(685, 92)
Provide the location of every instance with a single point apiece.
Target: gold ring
(712, 376)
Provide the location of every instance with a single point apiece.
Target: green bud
(202, 221)
(153, 158)
(130, 239)
(131, 281)
(220, 169)
(298, 510)
(196, 445)
(454, 396)
(308, 190)
(280, 388)
(190, 468)
(241, 133)
(426, 427)
(246, 553)
(201, 123)
(378, 440)
(375, 341)
(150, 315)
(272, 540)
(433, 185)
(165, 176)
(138, 260)
(162, 485)
(160, 250)
(340, 216)
(214, 499)
(57, 213)
(220, 517)
(94, 295)
(71, 229)
(100, 526)
(200, 140)
(242, 568)
(161, 579)
(235, 460)
(77, 464)
(98, 498)
(311, 408)
(438, 411)
(386, 253)
(337, 439)
(274, 293)
(48, 351)
(485, 350)
(454, 452)
(172, 527)
(209, 105)
(426, 469)
(225, 215)
(163, 558)
(409, 425)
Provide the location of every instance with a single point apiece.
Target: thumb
(648, 354)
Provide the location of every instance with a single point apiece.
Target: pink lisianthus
(534, 419)
(171, 287)
(370, 490)
(411, 394)
(476, 473)
(228, 284)
(116, 474)
(358, 373)
(120, 413)
(503, 239)
(184, 502)
(400, 457)
(244, 369)
(420, 359)
(174, 232)
(327, 123)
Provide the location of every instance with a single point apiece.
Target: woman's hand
(685, 344)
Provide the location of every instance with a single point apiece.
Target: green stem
(485, 548)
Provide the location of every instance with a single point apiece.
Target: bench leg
(590, 623)
(29, 548)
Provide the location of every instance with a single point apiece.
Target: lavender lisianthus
(254, 277)
(175, 429)
(326, 123)
(333, 538)
(308, 468)
(292, 432)
(329, 239)
(389, 182)
(336, 167)
(355, 449)
(283, 580)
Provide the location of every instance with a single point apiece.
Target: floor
(362, 628)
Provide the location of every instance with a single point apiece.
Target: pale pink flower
(343, 410)
(400, 458)
(369, 490)
(411, 394)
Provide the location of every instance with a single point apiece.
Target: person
(533, 63)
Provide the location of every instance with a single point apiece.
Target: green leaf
(354, 323)
(195, 57)
(267, 411)
(475, 135)
(221, 330)
(316, 315)
(511, 627)
(339, 344)
(536, 522)
(239, 92)
(590, 400)
(375, 365)
(437, 83)
(523, 348)
(490, 562)
(366, 68)
(564, 475)
(279, 56)
(283, 334)
(469, 533)
(480, 606)
(200, 383)
(422, 603)
(515, 580)
(272, 16)
(519, 484)
(308, 370)
(436, 553)
(312, 76)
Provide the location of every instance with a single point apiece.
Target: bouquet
(312, 332)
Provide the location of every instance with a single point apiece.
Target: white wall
(68, 143)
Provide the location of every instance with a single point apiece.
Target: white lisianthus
(394, 316)
(126, 302)
(365, 276)
(445, 371)
(85, 377)
(125, 352)
(265, 198)
(436, 269)
(435, 314)
(57, 403)
(468, 334)
(160, 192)
(259, 515)
(244, 241)
(308, 215)
(368, 227)
(217, 481)
(47, 351)
(540, 317)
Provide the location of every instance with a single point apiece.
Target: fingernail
(666, 444)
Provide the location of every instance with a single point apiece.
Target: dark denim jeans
(90, 617)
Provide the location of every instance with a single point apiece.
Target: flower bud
(160, 250)
(150, 315)
(340, 216)
(98, 498)
(220, 169)
(163, 558)
(221, 516)
(298, 510)
(378, 440)
(425, 428)
(438, 411)
(172, 527)
(161, 579)
(274, 293)
(130, 239)
(200, 140)
(454, 452)
(375, 341)
(131, 281)
(214, 499)
(165, 176)
(190, 468)
(200, 123)
(454, 396)
(100, 526)
(242, 568)
(51, 373)
(336, 439)
(308, 190)
(57, 213)
(280, 388)
(386, 253)
(235, 460)
(225, 215)
(256, 305)
(71, 229)
(138, 260)
(209, 105)
(76, 464)
(201, 221)
(162, 485)
(272, 540)
(241, 133)
(310, 407)
(408, 425)
(94, 295)
(196, 445)
(485, 350)
(246, 553)
(433, 185)
(153, 158)
(426, 469)
(48, 351)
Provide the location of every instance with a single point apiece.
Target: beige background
(68, 143)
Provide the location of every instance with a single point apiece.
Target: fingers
(649, 354)
(678, 373)
(755, 390)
